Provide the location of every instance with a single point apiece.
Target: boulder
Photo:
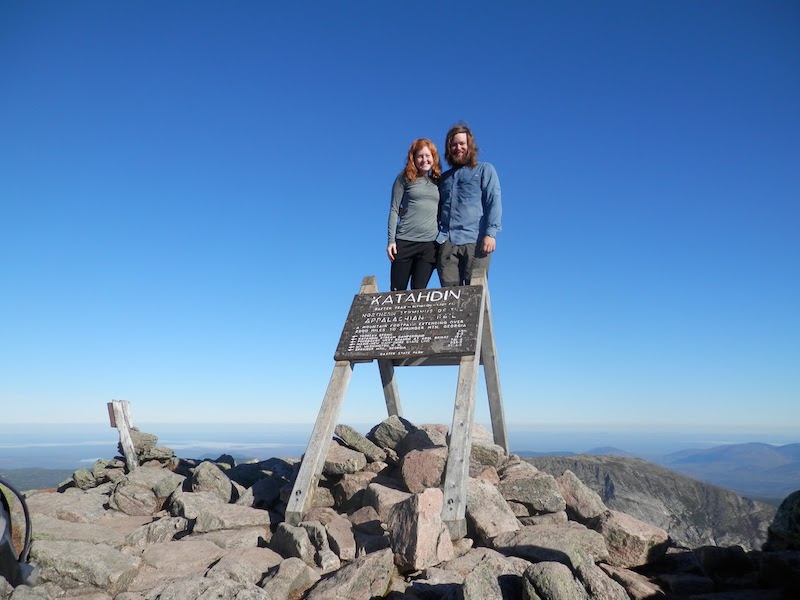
(365, 578)
(630, 542)
(417, 533)
(423, 469)
(487, 511)
(354, 440)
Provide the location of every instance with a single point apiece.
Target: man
(470, 210)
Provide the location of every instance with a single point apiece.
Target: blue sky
(191, 192)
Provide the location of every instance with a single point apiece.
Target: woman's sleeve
(398, 189)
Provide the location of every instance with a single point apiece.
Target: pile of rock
(184, 529)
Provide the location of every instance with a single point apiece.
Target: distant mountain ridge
(755, 469)
(694, 513)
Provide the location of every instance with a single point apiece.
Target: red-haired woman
(413, 223)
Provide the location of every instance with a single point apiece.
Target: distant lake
(72, 446)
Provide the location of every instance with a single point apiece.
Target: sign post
(447, 326)
(119, 413)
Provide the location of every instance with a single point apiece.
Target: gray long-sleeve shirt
(414, 209)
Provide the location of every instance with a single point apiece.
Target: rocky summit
(181, 529)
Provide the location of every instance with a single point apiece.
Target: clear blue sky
(191, 193)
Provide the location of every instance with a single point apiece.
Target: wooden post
(491, 370)
(314, 459)
(457, 470)
(120, 417)
(390, 391)
(369, 285)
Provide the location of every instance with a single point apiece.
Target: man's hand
(488, 245)
(391, 250)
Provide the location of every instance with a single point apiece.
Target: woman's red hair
(411, 167)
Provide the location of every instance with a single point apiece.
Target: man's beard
(460, 161)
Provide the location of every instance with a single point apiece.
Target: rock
(323, 498)
(382, 498)
(241, 564)
(724, 563)
(545, 519)
(290, 579)
(339, 531)
(73, 505)
(161, 530)
(134, 499)
(159, 454)
(247, 537)
(437, 434)
(389, 433)
(538, 491)
(324, 557)
(354, 440)
(46, 527)
(235, 570)
(423, 469)
(489, 454)
(368, 543)
(341, 460)
(487, 511)
(687, 584)
(142, 442)
(349, 491)
(367, 520)
(596, 582)
(289, 540)
(208, 477)
(247, 474)
(210, 513)
(784, 531)
(417, 533)
(553, 581)
(630, 542)
(583, 503)
(80, 565)
(561, 543)
(263, 494)
(84, 479)
(365, 578)
(168, 561)
(417, 439)
(484, 473)
(194, 587)
(638, 587)
(494, 577)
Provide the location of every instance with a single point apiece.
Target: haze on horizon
(191, 194)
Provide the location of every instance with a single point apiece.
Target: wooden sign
(412, 324)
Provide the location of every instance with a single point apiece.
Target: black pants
(415, 261)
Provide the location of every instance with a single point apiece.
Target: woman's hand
(391, 250)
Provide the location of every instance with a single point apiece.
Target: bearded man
(470, 210)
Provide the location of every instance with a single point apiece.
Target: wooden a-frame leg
(457, 470)
(492, 375)
(390, 391)
(314, 459)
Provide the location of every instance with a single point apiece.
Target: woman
(413, 224)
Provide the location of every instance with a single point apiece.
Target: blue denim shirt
(470, 206)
